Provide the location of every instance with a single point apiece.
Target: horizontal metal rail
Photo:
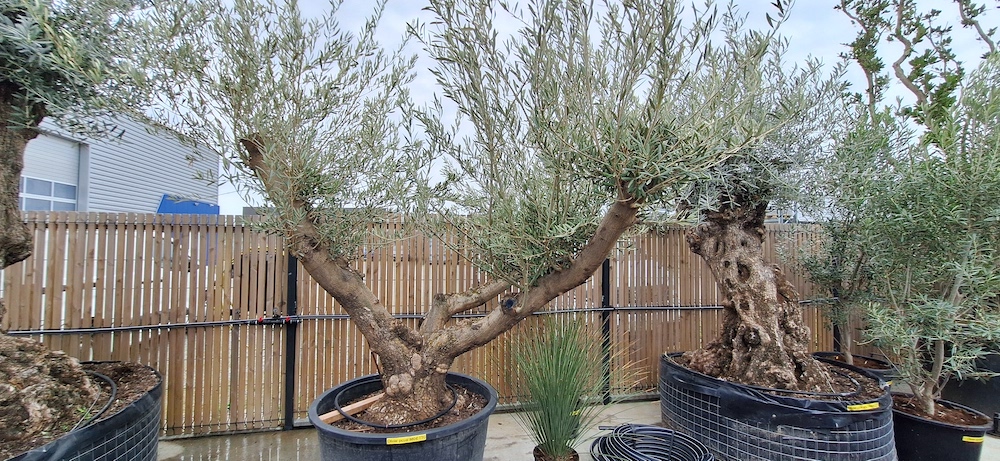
(288, 319)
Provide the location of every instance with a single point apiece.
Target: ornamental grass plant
(559, 372)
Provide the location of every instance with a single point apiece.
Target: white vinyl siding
(52, 158)
(133, 172)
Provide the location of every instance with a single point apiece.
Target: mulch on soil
(472, 403)
(857, 387)
(942, 413)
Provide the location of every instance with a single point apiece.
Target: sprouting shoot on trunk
(552, 136)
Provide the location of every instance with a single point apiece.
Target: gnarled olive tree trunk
(15, 240)
(764, 340)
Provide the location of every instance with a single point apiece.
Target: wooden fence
(186, 295)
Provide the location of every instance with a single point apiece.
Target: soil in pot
(467, 405)
(942, 413)
(464, 440)
(847, 381)
(860, 361)
(541, 456)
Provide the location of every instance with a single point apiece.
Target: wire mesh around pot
(742, 423)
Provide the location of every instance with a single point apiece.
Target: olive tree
(930, 217)
(565, 132)
(764, 339)
(77, 63)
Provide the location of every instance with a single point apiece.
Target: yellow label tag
(407, 439)
(863, 406)
(972, 439)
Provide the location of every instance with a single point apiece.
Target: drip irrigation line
(339, 408)
(114, 395)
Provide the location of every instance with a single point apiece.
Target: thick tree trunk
(764, 340)
(40, 390)
(15, 240)
(415, 392)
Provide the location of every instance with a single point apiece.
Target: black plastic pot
(887, 373)
(131, 434)
(981, 395)
(739, 422)
(462, 441)
(922, 439)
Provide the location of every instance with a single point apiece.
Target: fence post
(606, 327)
(291, 340)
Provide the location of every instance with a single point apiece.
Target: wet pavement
(506, 440)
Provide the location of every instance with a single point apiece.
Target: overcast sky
(813, 28)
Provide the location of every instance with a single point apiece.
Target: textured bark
(15, 239)
(764, 340)
(40, 390)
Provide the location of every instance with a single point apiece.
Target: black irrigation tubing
(297, 318)
(339, 408)
(857, 389)
(637, 442)
(114, 395)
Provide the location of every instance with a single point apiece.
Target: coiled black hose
(638, 442)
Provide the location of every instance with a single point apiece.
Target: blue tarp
(173, 205)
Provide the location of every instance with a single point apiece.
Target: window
(42, 195)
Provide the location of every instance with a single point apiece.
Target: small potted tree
(929, 221)
(838, 263)
(937, 311)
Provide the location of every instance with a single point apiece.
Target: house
(141, 171)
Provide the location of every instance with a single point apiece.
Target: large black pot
(739, 422)
(886, 372)
(131, 434)
(981, 395)
(462, 441)
(922, 439)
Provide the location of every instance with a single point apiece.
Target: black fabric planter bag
(131, 434)
(922, 439)
(462, 441)
(740, 423)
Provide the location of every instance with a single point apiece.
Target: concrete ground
(506, 440)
